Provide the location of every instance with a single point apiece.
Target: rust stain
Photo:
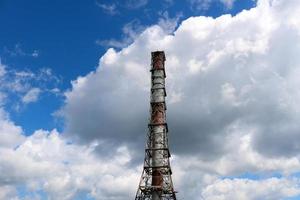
(157, 178)
(158, 113)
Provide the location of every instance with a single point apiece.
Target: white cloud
(228, 3)
(19, 51)
(35, 54)
(207, 60)
(113, 8)
(133, 29)
(169, 2)
(8, 192)
(135, 4)
(232, 85)
(108, 8)
(167, 23)
(26, 86)
(204, 5)
(2, 69)
(10, 134)
(244, 189)
(130, 31)
(32, 95)
(45, 161)
(200, 4)
(232, 95)
(3, 97)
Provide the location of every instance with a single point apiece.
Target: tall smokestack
(156, 182)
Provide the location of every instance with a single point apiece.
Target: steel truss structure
(156, 181)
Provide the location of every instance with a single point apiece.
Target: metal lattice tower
(156, 181)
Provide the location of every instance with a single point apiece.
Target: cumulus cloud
(8, 192)
(10, 134)
(271, 189)
(232, 109)
(47, 162)
(232, 92)
(222, 73)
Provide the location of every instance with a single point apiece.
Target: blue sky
(65, 33)
(74, 83)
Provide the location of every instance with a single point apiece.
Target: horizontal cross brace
(159, 149)
(158, 124)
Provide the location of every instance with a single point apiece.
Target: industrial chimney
(156, 181)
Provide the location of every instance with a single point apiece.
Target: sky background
(74, 97)
(51, 34)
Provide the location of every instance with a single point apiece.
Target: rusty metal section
(156, 181)
(158, 113)
(158, 60)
